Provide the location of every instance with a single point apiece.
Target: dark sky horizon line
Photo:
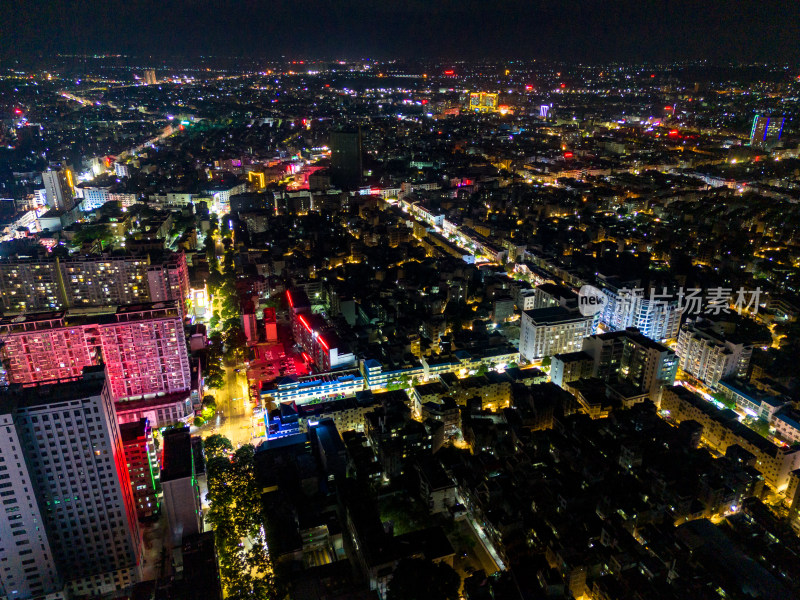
(568, 30)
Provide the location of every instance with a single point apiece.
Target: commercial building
(312, 333)
(346, 413)
(483, 102)
(220, 194)
(323, 346)
(549, 331)
(160, 411)
(60, 189)
(63, 443)
(143, 469)
(766, 130)
(150, 77)
(143, 348)
(707, 355)
(310, 388)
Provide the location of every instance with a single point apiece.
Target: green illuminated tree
(216, 445)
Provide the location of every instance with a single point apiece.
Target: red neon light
(17, 111)
(450, 72)
(667, 108)
(563, 85)
(306, 357)
(305, 323)
(528, 87)
(289, 297)
(322, 341)
(673, 132)
(568, 154)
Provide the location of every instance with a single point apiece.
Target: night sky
(592, 30)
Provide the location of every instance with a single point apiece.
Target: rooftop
(16, 397)
(176, 461)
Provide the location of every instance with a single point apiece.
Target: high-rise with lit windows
(60, 188)
(28, 285)
(27, 564)
(71, 488)
(143, 468)
(143, 348)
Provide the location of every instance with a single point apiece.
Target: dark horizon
(589, 31)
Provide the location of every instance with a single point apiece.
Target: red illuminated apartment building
(143, 348)
(320, 343)
(140, 455)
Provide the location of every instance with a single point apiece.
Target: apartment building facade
(143, 348)
(70, 452)
(28, 285)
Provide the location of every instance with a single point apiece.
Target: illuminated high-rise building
(150, 77)
(142, 346)
(766, 131)
(53, 284)
(59, 188)
(62, 450)
(346, 166)
(142, 462)
(553, 330)
(28, 566)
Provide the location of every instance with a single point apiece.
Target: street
(234, 410)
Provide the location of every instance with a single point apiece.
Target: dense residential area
(401, 329)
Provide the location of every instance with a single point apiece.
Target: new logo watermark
(692, 301)
(590, 300)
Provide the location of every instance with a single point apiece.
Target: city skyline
(399, 301)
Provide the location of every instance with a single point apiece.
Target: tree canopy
(216, 446)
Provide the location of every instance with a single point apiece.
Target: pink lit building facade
(143, 348)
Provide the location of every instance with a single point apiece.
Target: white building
(655, 317)
(122, 170)
(708, 356)
(93, 196)
(555, 330)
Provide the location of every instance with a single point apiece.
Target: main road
(234, 418)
